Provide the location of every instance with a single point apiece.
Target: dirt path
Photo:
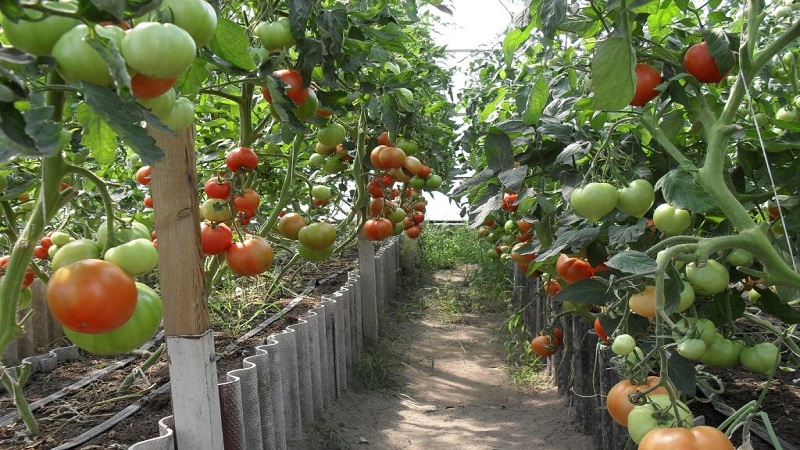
(457, 394)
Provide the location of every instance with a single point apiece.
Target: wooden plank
(369, 297)
(190, 343)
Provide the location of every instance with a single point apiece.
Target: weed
(524, 364)
(378, 366)
(331, 439)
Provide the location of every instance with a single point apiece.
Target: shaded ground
(457, 393)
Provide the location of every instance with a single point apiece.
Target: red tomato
(242, 158)
(378, 229)
(46, 242)
(698, 62)
(143, 175)
(553, 287)
(91, 296)
(413, 231)
(601, 333)
(647, 78)
(250, 257)
(217, 187)
(700, 438)
(148, 201)
(40, 252)
(544, 345)
(618, 401)
(27, 279)
(215, 238)
(508, 202)
(247, 202)
(293, 82)
(383, 139)
(143, 86)
(573, 269)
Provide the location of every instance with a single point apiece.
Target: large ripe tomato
(378, 229)
(658, 412)
(636, 198)
(78, 61)
(317, 236)
(644, 303)
(142, 325)
(290, 224)
(91, 296)
(251, 257)
(215, 238)
(594, 200)
(712, 278)
(647, 78)
(544, 345)
(197, 17)
(618, 401)
(136, 257)
(217, 187)
(573, 269)
(242, 158)
(671, 220)
(36, 37)
(275, 36)
(27, 279)
(700, 437)
(158, 50)
(698, 62)
(247, 202)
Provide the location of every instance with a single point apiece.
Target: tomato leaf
(13, 139)
(622, 235)
(680, 190)
(552, 14)
(719, 45)
(299, 12)
(14, 56)
(499, 155)
(682, 374)
(479, 178)
(513, 40)
(230, 43)
(589, 291)
(97, 136)
(612, 72)
(512, 179)
(193, 78)
(310, 57)
(333, 24)
(572, 239)
(632, 262)
(771, 304)
(124, 121)
(573, 152)
(484, 207)
(537, 100)
(108, 50)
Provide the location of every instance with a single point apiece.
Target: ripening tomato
(553, 287)
(215, 238)
(91, 296)
(251, 257)
(647, 78)
(143, 175)
(644, 303)
(618, 401)
(317, 236)
(378, 229)
(217, 187)
(573, 269)
(27, 279)
(544, 345)
(146, 87)
(698, 62)
(293, 85)
(413, 231)
(509, 200)
(247, 202)
(384, 139)
(242, 158)
(290, 224)
(696, 438)
(601, 332)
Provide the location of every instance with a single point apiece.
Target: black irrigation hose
(138, 404)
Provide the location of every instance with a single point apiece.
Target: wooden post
(190, 343)
(369, 298)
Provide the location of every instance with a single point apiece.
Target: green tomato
(137, 257)
(710, 279)
(332, 165)
(78, 61)
(160, 106)
(399, 227)
(216, 210)
(692, 349)
(142, 325)
(695, 328)
(788, 114)
(158, 50)
(181, 116)
(397, 215)
(321, 192)
(60, 238)
(308, 109)
(197, 17)
(636, 199)
(433, 182)
(510, 226)
(740, 257)
(760, 358)
(38, 37)
(317, 236)
(409, 147)
(658, 412)
(316, 160)
(416, 182)
(671, 220)
(76, 250)
(623, 344)
(331, 135)
(722, 353)
(314, 255)
(123, 232)
(594, 200)
(687, 297)
(275, 36)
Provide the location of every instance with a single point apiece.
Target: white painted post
(369, 298)
(190, 343)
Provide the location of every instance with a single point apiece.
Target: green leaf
(284, 107)
(97, 135)
(632, 262)
(107, 49)
(192, 80)
(723, 308)
(719, 45)
(513, 40)
(13, 140)
(591, 291)
(45, 132)
(299, 12)
(572, 239)
(620, 236)
(125, 121)
(484, 207)
(499, 154)
(573, 152)
(552, 13)
(512, 179)
(310, 57)
(230, 43)
(612, 73)
(682, 374)
(479, 178)
(680, 190)
(537, 100)
(771, 304)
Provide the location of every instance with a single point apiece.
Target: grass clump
(378, 367)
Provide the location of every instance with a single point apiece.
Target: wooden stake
(369, 298)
